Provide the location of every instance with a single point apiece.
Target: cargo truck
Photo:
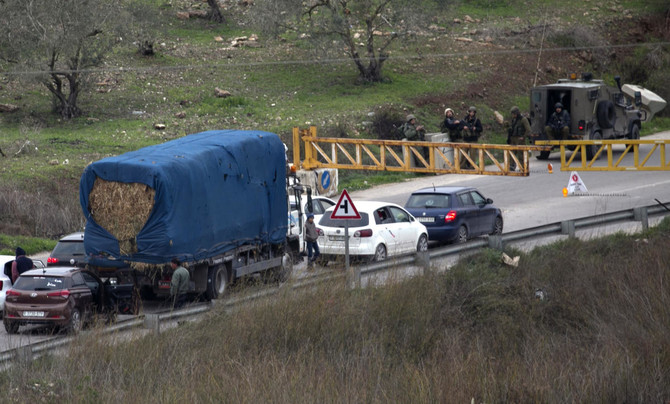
(218, 201)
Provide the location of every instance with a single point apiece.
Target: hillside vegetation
(592, 328)
(482, 53)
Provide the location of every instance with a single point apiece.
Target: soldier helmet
(558, 105)
(515, 110)
(447, 110)
(472, 109)
(410, 117)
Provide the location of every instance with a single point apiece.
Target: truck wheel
(634, 132)
(605, 114)
(592, 150)
(217, 282)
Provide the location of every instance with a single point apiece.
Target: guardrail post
(153, 322)
(495, 242)
(642, 216)
(24, 354)
(568, 227)
(422, 259)
(354, 275)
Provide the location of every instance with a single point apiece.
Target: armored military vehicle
(597, 110)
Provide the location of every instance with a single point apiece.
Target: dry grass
(122, 209)
(601, 334)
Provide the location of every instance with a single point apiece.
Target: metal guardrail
(569, 227)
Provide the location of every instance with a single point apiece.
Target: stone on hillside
(221, 93)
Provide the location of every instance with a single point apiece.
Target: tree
(57, 42)
(214, 13)
(366, 28)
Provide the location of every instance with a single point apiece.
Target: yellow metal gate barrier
(399, 155)
(643, 157)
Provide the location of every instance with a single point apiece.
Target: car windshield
(327, 221)
(428, 201)
(37, 283)
(69, 248)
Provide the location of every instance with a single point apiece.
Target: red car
(64, 297)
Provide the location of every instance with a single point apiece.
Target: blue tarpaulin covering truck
(216, 200)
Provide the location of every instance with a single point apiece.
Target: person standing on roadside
(517, 133)
(472, 130)
(453, 128)
(311, 238)
(21, 264)
(179, 283)
(413, 132)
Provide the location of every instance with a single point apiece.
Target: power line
(330, 60)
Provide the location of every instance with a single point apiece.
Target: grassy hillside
(600, 332)
(491, 62)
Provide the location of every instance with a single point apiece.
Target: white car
(5, 278)
(384, 230)
(319, 205)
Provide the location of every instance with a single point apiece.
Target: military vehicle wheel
(544, 155)
(605, 114)
(217, 282)
(634, 132)
(592, 150)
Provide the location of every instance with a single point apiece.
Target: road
(538, 199)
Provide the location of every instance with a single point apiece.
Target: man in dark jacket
(453, 128)
(558, 125)
(21, 264)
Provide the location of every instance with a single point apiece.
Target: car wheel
(380, 253)
(12, 327)
(75, 322)
(422, 245)
(497, 226)
(462, 235)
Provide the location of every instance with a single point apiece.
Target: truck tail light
(450, 217)
(52, 260)
(363, 233)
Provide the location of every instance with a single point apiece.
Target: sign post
(345, 210)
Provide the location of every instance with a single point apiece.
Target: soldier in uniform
(472, 130)
(517, 133)
(453, 127)
(558, 125)
(413, 132)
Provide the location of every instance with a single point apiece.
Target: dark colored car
(70, 247)
(455, 214)
(64, 297)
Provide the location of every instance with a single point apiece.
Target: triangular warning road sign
(575, 184)
(345, 209)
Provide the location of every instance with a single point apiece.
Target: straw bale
(122, 209)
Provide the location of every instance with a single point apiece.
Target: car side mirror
(489, 201)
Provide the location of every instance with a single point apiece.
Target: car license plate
(33, 314)
(426, 219)
(163, 284)
(336, 238)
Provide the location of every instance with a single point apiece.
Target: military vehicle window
(537, 96)
(593, 94)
